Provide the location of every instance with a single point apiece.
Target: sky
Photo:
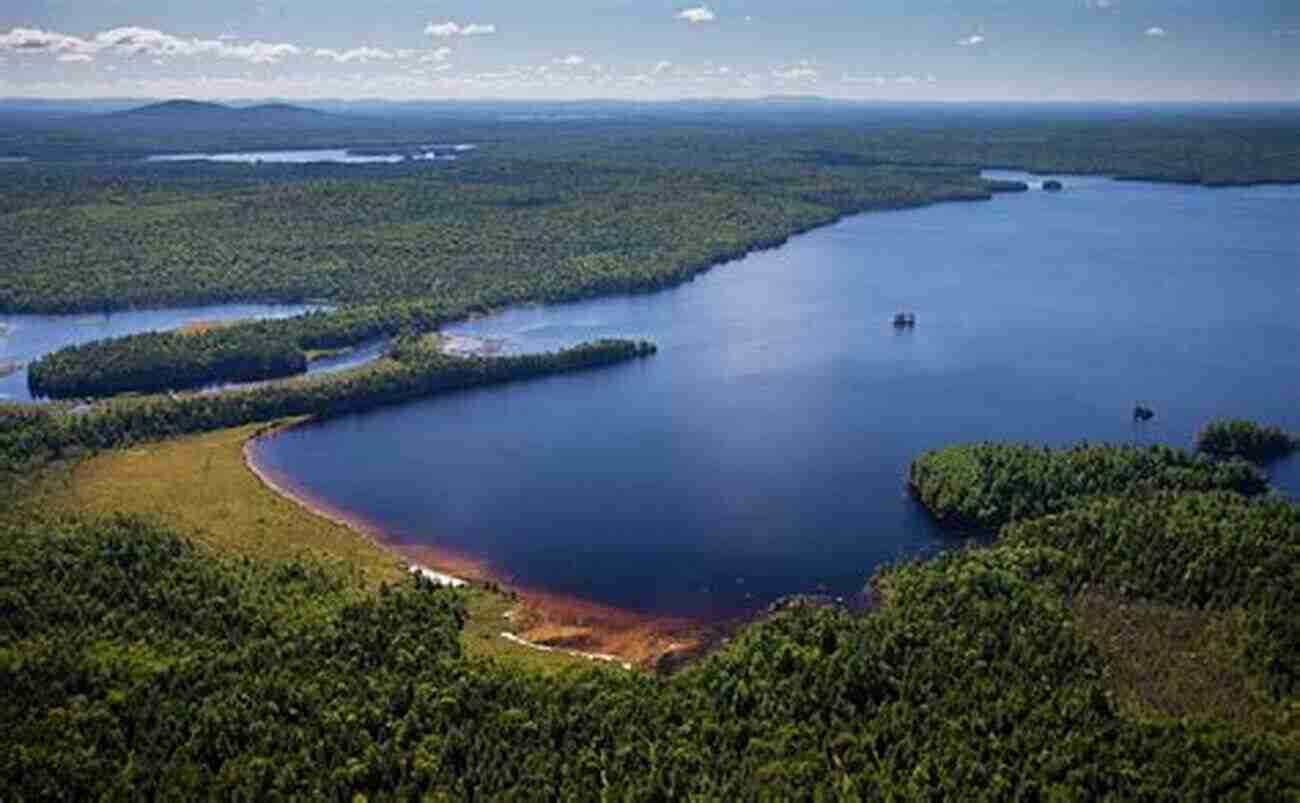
(900, 50)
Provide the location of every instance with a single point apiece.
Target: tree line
(987, 485)
(1246, 439)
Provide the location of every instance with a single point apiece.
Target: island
(1052, 185)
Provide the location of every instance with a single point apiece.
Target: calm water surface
(23, 338)
(429, 153)
(763, 451)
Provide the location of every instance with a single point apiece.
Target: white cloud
(439, 55)
(697, 15)
(446, 30)
(1156, 32)
(149, 41)
(34, 40)
(886, 80)
(132, 40)
(974, 40)
(1101, 4)
(800, 71)
(361, 54)
(76, 57)
(571, 60)
(661, 67)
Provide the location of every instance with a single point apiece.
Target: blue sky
(870, 49)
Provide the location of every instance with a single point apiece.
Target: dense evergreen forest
(160, 362)
(987, 485)
(1246, 439)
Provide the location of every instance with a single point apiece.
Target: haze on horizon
(898, 50)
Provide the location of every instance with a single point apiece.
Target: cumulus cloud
(439, 55)
(34, 40)
(134, 40)
(149, 41)
(697, 15)
(572, 60)
(974, 40)
(1156, 32)
(661, 67)
(1101, 4)
(75, 58)
(446, 30)
(361, 54)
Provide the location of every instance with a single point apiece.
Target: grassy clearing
(201, 487)
(1171, 662)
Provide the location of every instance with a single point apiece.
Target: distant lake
(24, 338)
(763, 451)
(338, 156)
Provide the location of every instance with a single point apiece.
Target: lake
(763, 451)
(427, 153)
(24, 338)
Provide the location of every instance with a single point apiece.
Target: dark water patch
(763, 452)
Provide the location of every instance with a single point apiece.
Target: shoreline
(321, 510)
(543, 621)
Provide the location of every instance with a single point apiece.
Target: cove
(24, 338)
(763, 451)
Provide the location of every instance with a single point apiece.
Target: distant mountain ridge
(194, 114)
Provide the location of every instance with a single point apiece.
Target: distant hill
(199, 115)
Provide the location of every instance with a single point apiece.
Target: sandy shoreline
(470, 346)
(545, 621)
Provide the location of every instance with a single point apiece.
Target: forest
(1246, 439)
(987, 485)
(140, 665)
(152, 363)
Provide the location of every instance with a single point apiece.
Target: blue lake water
(24, 338)
(763, 451)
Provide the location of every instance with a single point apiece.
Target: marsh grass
(201, 487)
(1171, 662)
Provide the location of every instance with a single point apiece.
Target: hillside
(199, 115)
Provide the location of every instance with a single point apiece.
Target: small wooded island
(1052, 185)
